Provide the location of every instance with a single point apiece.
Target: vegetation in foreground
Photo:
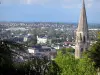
(71, 66)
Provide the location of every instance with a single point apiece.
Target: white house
(25, 39)
(32, 50)
(49, 52)
(42, 40)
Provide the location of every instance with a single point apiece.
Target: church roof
(82, 26)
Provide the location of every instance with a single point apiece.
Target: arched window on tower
(81, 49)
(80, 37)
(84, 40)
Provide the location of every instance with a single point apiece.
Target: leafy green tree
(94, 53)
(67, 63)
(7, 50)
(86, 66)
(71, 50)
(6, 54)
(34, 66)
(37, 66)
(71, 66)
(99, 35)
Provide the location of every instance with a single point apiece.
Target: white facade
(42, 40)
(25, 39)
(45, 51)
(32, 50)
(57, 47)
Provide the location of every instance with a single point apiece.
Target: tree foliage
(94, 53)
(34, 66)
(37, 66)
(71, 66)
(6, 54)
(99, 35)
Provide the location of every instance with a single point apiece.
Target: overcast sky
(48, 10)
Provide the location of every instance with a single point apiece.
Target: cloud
(29, 1)
(37, 2)
(89, 3)
(76, 4)
(69, 6)
(59, 3)
(10, 1)
(70, 3)
(23, 1)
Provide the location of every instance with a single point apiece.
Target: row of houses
(43, 51)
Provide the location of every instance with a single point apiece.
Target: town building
(41, 39)
(43, 51)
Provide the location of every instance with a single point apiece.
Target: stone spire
(82, 26)
(82, 40)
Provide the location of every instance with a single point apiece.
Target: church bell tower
(82, 37)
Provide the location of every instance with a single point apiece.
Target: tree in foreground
(71, 66)
(34, 66)
(6, 55)
(37, 66)
(94, 53)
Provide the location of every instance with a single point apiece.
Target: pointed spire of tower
(82, 33)
(83, 3)
(82, 26)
